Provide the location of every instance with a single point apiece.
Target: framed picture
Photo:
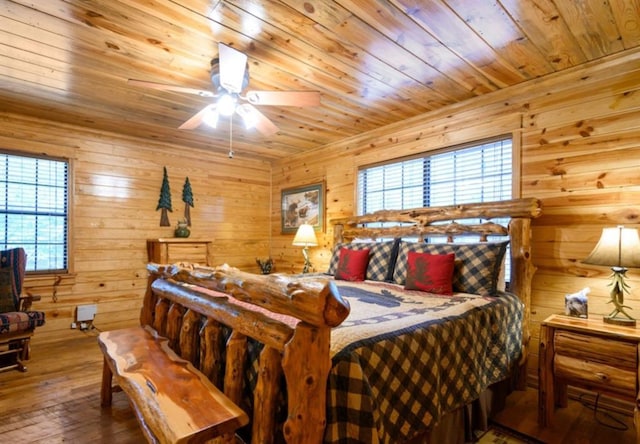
(302, 205)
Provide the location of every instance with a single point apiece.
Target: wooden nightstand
(590, 354)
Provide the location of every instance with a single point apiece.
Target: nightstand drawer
(593, 349)
(596, 376)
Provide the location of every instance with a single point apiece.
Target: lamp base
(625, 322)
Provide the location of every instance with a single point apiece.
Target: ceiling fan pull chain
(231, 137)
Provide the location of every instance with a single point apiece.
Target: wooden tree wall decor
(187, 198)
(164, 203)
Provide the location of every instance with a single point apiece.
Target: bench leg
(106, 391)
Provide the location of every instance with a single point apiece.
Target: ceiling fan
(230, 77)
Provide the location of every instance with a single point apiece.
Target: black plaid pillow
(477, 266)
(381, 258)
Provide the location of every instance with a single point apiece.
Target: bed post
(149, 301)
(522, 270)
(338, 229)
(306, 366)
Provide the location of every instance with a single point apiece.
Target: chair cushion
(6, 291)
(19, 321)
(14, 260)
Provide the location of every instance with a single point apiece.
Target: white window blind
(34, 210)
(478, 173)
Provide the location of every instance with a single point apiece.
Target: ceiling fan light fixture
(249, 117)
(211, 118)
(227, 104)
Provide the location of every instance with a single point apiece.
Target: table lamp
(305, 237)
(618, 248)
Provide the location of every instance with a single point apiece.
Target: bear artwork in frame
(302, 205)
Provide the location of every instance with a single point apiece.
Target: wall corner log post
(424, 222)
(290, 316)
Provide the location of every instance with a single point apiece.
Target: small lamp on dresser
(305, 237)
(618, 248)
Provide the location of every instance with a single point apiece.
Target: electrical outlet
(86, 312)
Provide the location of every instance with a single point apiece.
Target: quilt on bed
(402, 359)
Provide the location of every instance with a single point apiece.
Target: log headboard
(292, 316)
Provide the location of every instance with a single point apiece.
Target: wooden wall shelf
(173, 250)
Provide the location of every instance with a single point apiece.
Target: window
(478, 173)
(34, 209)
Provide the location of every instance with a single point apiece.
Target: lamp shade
(617, 247)
(305, 236)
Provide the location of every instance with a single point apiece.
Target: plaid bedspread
(402, 359)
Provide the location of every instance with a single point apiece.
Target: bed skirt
(461, 425)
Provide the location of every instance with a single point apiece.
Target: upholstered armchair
(17, 321)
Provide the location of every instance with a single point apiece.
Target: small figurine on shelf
(265, 265)
(183, 229)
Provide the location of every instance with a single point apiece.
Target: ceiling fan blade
(233, 64)
(197, 119)
(174, 88)
(262, 122)
(284, 98)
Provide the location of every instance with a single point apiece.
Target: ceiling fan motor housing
(215, 75)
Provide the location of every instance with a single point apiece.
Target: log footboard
(213, 330)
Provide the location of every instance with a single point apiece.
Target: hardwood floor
(576, 424)
(58, 400)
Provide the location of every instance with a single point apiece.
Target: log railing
(192, 307)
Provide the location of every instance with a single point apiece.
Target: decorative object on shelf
(187, 198)
(302, 205)
(183, 229)
(266, 265)
(164, 203)
(618, 248)
(576, 304)
(305, 237)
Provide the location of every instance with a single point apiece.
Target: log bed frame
(184, 303)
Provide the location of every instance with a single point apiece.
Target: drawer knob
(602, 376)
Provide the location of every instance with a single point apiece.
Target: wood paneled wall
(115, 191)
(578, 134)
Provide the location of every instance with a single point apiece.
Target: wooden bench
(173, 401)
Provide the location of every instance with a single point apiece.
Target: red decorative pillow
(430, 272)
(352, 265)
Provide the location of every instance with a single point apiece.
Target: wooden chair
(17, 321)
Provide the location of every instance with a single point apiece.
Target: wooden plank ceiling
(374, 62)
